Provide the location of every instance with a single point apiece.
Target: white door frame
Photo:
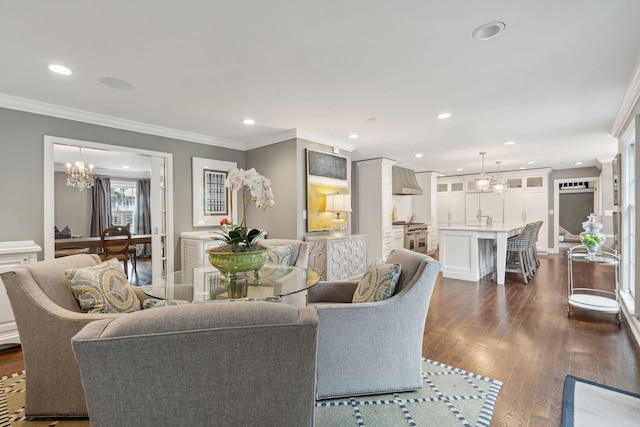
(597, 201)
(49, 190)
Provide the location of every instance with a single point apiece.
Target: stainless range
(416, 236)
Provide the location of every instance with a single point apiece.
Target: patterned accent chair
(237, 364)
(48, 315)
(299, 250)
(373, 347)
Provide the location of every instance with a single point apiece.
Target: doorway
(159, 173)
(574, 200)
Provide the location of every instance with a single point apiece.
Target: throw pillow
(153, 302)
(378, 283)
(102, 288)
(280, 255)
(64, 234)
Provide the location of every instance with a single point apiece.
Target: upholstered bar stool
(519, 253)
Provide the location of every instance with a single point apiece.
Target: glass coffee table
(276, 283)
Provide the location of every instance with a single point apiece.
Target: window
(123, 203)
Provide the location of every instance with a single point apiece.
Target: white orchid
(241, 238)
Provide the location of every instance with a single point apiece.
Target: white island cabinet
(466, 251)
(12, 255)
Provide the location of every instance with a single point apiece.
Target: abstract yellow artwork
(317, 218)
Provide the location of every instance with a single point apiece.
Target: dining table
(94, 242)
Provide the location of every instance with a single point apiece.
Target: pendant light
(483, 182)
(498, 183)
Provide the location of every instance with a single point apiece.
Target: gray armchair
(373, 347)
(299, 250)
(47, 316)
(213, 364)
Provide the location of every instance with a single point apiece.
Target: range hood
(404, 182)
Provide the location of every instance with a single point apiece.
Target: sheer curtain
(143, 213)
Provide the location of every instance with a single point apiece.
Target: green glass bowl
(236, 262)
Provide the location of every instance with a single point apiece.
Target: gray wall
(72, 207)
(22, 172)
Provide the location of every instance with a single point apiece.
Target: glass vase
(592, 238)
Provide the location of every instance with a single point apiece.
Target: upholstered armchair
(223, 364)
(299, 250)
(48, 315)
(373, 347)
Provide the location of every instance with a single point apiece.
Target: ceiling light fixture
(249, 122)
(354, 136)
(78, 175)
(444, 115)
(509, 143)
(418, 155)
(117, 84)
(60, 69)
(488, 31)
(483, 182)
(577, 163)
(498, 183)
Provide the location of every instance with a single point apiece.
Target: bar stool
(519, 259)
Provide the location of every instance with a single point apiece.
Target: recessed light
(60, 69)
(353, 136)
(523, 167)
(249, 122)
(419, 155)
(459, 169)
(577, 163)
(488, 31)
(444, 115)
(125, 167)
(117, 84)
(509, 143)
(531, 162)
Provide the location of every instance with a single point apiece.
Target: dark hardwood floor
(518, 334)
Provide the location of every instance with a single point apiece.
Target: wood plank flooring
(520, 335)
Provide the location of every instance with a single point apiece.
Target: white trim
(556, 202)
(49, 190)
(629, 102)
(52, 110)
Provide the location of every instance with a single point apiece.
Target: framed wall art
(212, 201)
(615, 164)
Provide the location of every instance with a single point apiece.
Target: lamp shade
(338, 203)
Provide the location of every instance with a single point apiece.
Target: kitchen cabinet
(425, 205)
(375, 206)
(450, 201)
(337, 258)
(483, 204)
(13, 254)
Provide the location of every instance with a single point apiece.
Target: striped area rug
(449, 397)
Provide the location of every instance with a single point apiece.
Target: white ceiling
(553, 81)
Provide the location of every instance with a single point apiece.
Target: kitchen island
(466, 251)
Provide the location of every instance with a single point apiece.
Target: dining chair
(115, 243)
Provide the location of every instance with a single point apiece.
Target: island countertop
(481, 226)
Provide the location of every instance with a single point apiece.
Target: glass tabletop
(208, 284)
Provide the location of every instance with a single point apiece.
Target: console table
(337, 258)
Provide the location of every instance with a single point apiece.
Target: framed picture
(326, 174)
(615, 164)
(212, 201)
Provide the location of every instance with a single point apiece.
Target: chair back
(115, 241)
(299, 250)
(413, 265)
(245, 364)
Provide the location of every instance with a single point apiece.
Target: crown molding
(37, 107)
(628, 104)
(301, 134)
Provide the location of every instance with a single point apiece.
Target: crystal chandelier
(79, 175)
(498, 183)
(483, 182)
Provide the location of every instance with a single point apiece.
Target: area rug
(449, 397)
(586, 403)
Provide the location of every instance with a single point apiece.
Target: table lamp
(338, 203)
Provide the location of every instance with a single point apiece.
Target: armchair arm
(340, 292)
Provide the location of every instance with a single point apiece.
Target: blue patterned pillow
(102, 288)
(280, 255)
(378, 283)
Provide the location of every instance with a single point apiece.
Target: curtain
(143, 213)
(101, 206)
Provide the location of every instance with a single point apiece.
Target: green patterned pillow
(280, 255)
(102, 288)
(152, 302)
(378, 283)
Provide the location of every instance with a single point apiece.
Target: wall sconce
(338, 203)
